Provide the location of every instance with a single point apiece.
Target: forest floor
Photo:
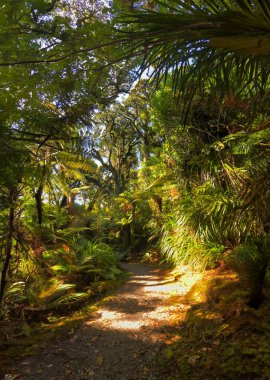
(122, 340)
(158, 325)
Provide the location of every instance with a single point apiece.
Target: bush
(251, 261)
(180, 245)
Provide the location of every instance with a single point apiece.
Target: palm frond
(15, 293)
(191, 41)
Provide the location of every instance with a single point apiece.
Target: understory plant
(251, 260)
(181, 245)
(66, 276)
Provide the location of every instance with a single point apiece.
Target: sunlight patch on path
(123, 339)
(142, 309)
(115, 320)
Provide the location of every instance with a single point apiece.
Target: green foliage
(181, 245)
(85, 174)
(98, 258)
(251, 260)
(42, 295)
(74, 275)
(195, 40)
(15, 294)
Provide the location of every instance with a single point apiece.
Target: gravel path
(121, 341)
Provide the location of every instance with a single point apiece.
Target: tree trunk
(38, 197)
(126, 236)
(8, 247)
(93, 200)
(256, 297)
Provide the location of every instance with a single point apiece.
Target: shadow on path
(121, 341)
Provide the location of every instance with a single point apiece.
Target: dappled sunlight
(134, 190)
(154, 319)
(126, 334)
(113, 320)
(120, 340)
(191, 279)
(148, 303)
(218, 335)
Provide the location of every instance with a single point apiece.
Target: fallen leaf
(169, 354)
(193, 359)
(73, 339)
(14, 376)
(100, 359)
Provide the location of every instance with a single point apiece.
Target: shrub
(251, 260)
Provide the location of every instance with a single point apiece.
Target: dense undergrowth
(72, 276)
(142, 187)
(97, 167)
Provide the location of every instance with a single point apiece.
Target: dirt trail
(121, 341)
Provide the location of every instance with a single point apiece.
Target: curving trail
(123, 340)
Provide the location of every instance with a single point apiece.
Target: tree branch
(54, 60)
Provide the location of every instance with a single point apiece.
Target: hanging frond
(72, 161)
(193, 42)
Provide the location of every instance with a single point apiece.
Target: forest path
(121, 341)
